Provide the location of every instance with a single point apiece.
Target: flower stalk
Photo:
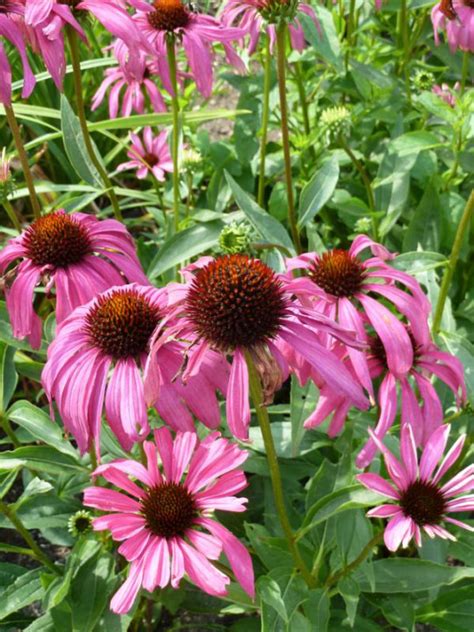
(453, 259)
(170, 49)
(76, 66)
(281, 64)
(265, 119)
(264, 422)
(23, 156)
(347, 570)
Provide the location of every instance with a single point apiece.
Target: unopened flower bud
(235, 239)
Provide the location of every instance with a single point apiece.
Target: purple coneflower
(456, 17)
(420, 497)
(151, 156)
(165, 519)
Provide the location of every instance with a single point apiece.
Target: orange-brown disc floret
(338, 273)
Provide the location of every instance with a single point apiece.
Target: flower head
(77, 254)
(456, 18)
(445, 93)
(162, 19)
(150, 156)
(421, 498)
(96, 362)
(164, 520)
(80, 523)
(235, 238)
(236, 304)
(254, 16)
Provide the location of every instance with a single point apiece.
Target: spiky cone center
(236, 301)
(151, 159)
(57, 239)
(168, 15)
(122, 323)
(423, 502)
(169, 510)
(338, 273)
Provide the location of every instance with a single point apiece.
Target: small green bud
(235, 238)
(80, 523)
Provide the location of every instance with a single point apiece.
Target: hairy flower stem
(366, 551)
(12, 122)
(264, 422)
(12, 215)
(265, 118)
(10, 513)
(281, 64)
(81, 113)
(93, 457)
(170, 49)
(464, 72)
(453, 259)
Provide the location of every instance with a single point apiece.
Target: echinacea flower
(420, 404)
(445, 93)
(45, 21)
(96, 362)
(236, 304)
(343, 286)
(77, 254)
(420, 497)
(10, 12)
(456, 18)
(160, 19)
(133, 76)
(165, 519)
(253, 16)
(150, 156)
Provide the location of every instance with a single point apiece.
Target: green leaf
(23, 591)
(406, 575)
(462, 349)
(270, 593)
(184, 245)
(323, 39)
(303, 402)
(414, 142)
(319, 190)
(75, 147)
(267, 226)
(419, 261)
(7, 479)
(351, 497)
(317, 609)
(35, 487)
(41, 426)
(8, 375)
(41, 459)
(350, 592)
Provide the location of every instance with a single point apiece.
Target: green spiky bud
(80, 523)
(235, 239)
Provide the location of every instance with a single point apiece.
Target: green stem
(367, 184)
(281, 63)
(264, 421)
(350, 30)
(12, 122)
(5, 424)
(81, 113)
(453, 259)
(366, 551)
(265, 119)
(11, 214)
(304, 104)
(464, 72)
(170, 48)
(10, 513)
(93, 457)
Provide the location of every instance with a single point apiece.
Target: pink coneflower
(77, 254)
(420, 404)
(4, 167)
(456, 17)
(350, 290)
(113, 331)
(133, 76)
(12, 11)
(253, 16)
(419, 499)
(151, 156)
(159, 19)
(45, 21)
(234, 304)
(165, 522)
(445, 93)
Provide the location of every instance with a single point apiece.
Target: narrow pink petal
(122, 526)
(396, 531)
(450, 458)
(384, 511)
(202, 572)
(378, 484)
(206, 544)
(134, 547)
(132, 468)
(164, 443)
(156, 564)
(459, 523)
(408, 452)
(109, 500)
(177, 562)
(433, 451)
(123, 599)
(183, 448)
(238, 408)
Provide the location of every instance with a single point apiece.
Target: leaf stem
(272, 459)
(23, 156)
(366, 551)
(170, 49)
(81, 113)
(12, 214)
(265, 119)
(281, 64)
(453, 259)
(10, 513)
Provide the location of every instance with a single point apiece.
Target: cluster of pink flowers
(355, 325)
